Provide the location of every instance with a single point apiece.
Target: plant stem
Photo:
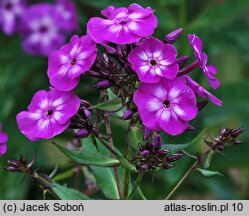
(189, 68)
(109, 131)
(182, 180)
(127, 172)
(137, 182)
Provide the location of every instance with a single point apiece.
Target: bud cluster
(151, 157)
(226, 136)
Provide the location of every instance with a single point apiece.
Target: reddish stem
(189, 68)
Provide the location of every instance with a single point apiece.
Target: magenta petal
(66, 105)
(170, 123)
(185, 107)
(195, 42)
(148, 108)
(3, 149)
(40, 100)
(63, 83)
(170, 72)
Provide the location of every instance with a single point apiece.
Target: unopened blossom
(153, 60)
(48, 114)
(41, 33)
(3, 140)
(167, 105)
(208, 70)
(67, 64)
(200, 91)
(66, 15)
(10, 13)
(123, 25)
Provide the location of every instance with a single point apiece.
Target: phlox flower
(3, 140)
(123, 25)
(67, 64)
(48, 114)
(167, 105)
(208, 70)
(10, 12)
(40, 30)
(153, 59)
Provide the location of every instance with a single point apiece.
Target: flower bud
(144, 167)
(128, 114)
(145, 153)
(103, 84)
(182, 61)
(173, 157)
(237, 132)
(82, 133)
(147, 133)
(108, 49)
(157, 142)
(172, 36)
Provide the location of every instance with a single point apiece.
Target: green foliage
(65, 193)
(88, 158)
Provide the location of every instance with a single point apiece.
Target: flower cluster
(42, 26)
(142, 71)
(3, 140)
(151, 157)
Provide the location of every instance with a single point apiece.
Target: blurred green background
(223, 26)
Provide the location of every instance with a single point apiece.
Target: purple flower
(10, 12)
(153, 60)
(208, 70)
(167, 105)
(40, 30)
(200, 91)
(123, 25)
(67, 64)
(3, 140)
(66, 17)
(48, 114)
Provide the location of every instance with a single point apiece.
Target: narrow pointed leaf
(112, 105)
(209, 173)
(89, 158)
(65, 193)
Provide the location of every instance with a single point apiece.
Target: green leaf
(209, 173)
(135, 137)
(110, 105)
(89, 158)
(126, 164)
(65, 193)
(106, 182)
(179, 147)
(208, 157)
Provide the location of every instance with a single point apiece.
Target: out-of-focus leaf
(65, 193)
(106, 182)
(208, 173)
(135, 137)
(88, 158)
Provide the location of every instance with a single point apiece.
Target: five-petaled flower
(123, 25)
(167, 105)
(202, 58)
(3, 140)
(67, 64)
(10, 13)
(48, 114)
(153, 60)
(40, 30)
